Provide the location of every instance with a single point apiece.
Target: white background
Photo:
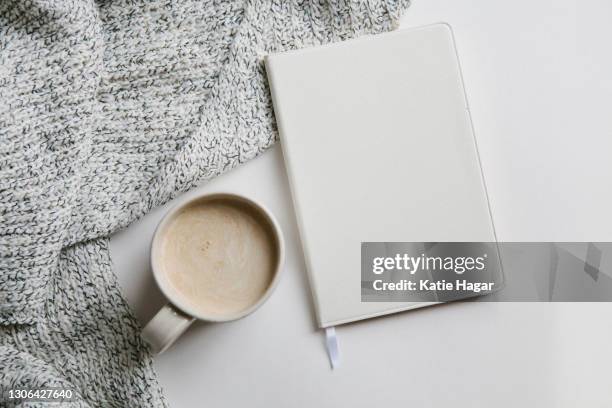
(538, 76)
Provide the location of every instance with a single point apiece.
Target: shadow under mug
(178, 314)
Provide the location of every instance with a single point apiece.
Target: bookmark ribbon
(333, 351)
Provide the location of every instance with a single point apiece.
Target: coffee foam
(219, 255)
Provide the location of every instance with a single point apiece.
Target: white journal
(378, 144)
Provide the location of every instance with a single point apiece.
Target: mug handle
(165, 327)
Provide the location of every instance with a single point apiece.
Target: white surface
(379, 147)
(538, 78)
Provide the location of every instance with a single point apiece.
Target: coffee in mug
(217, 258)
(220, 255)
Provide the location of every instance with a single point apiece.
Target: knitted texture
(107, 109)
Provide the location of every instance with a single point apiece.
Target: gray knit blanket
(108, 109)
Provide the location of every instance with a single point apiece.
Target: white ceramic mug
(177, 315)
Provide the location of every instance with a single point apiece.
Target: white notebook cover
(378, 144)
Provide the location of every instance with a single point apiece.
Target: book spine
(277, 105)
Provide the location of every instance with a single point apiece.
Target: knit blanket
(109, 108)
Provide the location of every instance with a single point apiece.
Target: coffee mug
(216, 258)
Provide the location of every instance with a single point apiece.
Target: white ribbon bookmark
(332, 347)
